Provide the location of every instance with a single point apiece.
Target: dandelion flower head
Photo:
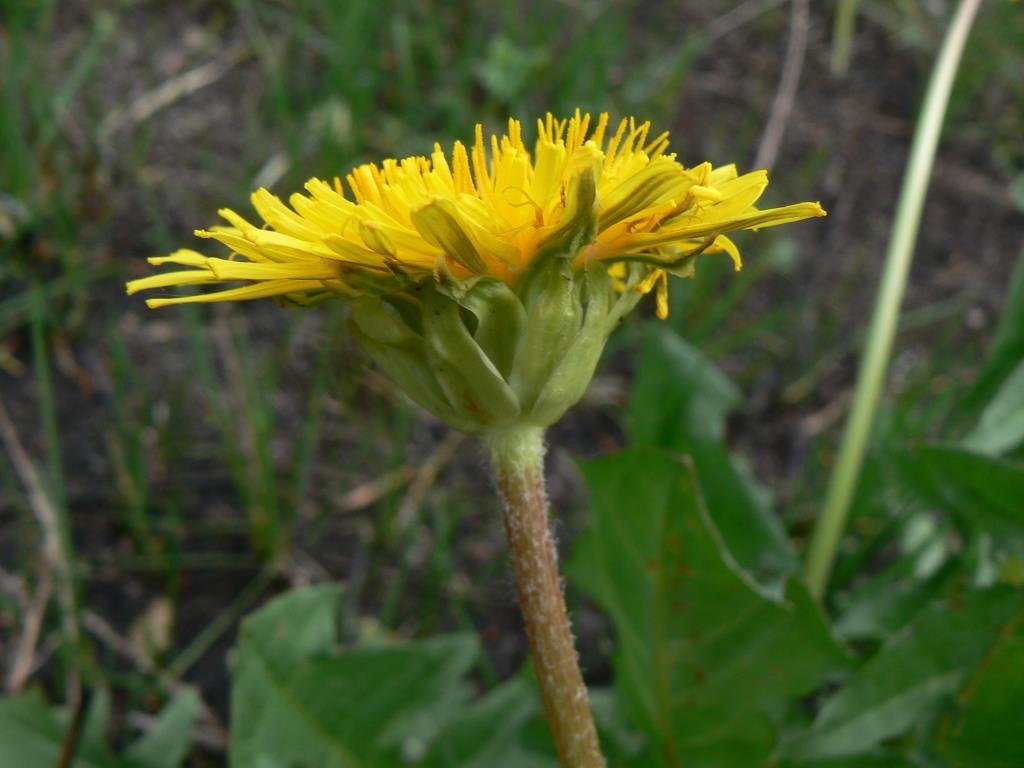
(593, 193)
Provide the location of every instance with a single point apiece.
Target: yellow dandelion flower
(485, 282)
(474, 215)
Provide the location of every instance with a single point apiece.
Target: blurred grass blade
(52, 511)
(875, 361)
(842, 35)
(48, 406)
(82, 68)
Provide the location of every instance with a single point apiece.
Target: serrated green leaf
(299, 701)
(293, 627)
(988, 732)
(911, 675)
(679, 403)
(742, 513)
(704, 652)
(678, 392)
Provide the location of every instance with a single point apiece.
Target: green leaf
(97, 717)
(1007, 348)
(705, 654)
(742, 513)
(983, 490)
(299, 701)
(987, 732)
(1001, 427)
(678, 393)
(32, 733)
(679, 403)
(622, 745)
(1017, 191)
(888, 602)
(167, 742)
(489, 735)
(911, 675)
(920, 564)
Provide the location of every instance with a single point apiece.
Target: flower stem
(875, 361)
(517, 461)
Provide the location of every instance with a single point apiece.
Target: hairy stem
(517, 460)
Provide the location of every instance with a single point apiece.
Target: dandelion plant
(485, 284)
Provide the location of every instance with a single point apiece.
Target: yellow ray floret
(483, 211)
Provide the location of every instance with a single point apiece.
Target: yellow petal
(260, 290)
(439, 224)
(281, 217)
(168, 279)
(723, 243)
(182, 256)
(661, 297)
(677, 234)
(224, 269)
(657, 182)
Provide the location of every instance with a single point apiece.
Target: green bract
(486, 356)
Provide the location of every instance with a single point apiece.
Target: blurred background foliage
(165, 473)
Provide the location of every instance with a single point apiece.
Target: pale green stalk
(875, 360)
